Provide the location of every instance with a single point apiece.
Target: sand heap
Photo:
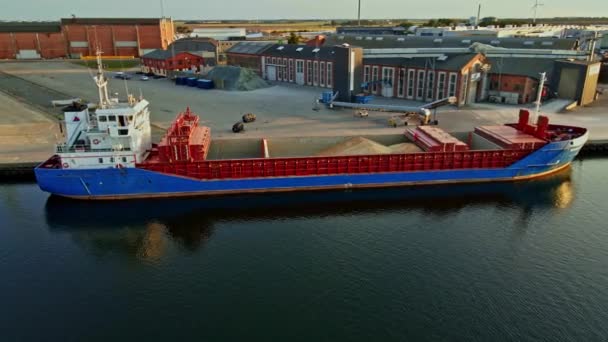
(235, 78)
(405, 148)
(362, 146)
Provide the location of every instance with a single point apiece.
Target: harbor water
(493, 262)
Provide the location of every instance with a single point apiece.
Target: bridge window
(112, 118)
(123, 132)
(103, 118)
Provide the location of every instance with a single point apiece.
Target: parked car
(122, 76)
(144, 78)
(158, 76)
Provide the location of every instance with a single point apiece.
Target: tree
(293, 39)
(406, 24)
(183, 29)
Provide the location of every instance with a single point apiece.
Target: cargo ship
(108, 154)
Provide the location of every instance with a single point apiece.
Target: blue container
(191, 81)
(363, 98)
(180, 80)
(327, 96)
(204, 84)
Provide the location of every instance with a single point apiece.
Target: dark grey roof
(193, 44)
(530, 67)
(249, 48)
(22, 26)
(371, 29)
(111, 21)
(390, 41)
(453, 62)
(300, 51)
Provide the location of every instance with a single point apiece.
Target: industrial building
(77, 37)
(298, 64)
(247, 55)
(162, 62)
(188, 54)
(220, 33)
(427, 79)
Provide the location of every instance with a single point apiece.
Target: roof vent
(466, 41)
(437, 40)
(442, 58)
(379, 38)
(280, 48)
(400, 39)
(316, 50)
(358, 38)
(495, 42)
(299, 49)
(547, 43)
(369, 38)
(341, 37)
(529, 42)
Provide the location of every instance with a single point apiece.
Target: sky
(295, 9)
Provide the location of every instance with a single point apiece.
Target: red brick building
(32, 40)
(161, 62)
(76, 37)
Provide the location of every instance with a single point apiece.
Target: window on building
(112, 118)
(291, 70)
(322, 74)
(366, 73)
(100, 160)
(430, 85)
(411, 74)
(309, 72)
(103, 118)
(279, 73)
(465, 83)
(452, 84)
(441, 85)
(111, 159)
(123, 132)
(374, 78)
(124, 159)
(300, 67)
(401, 83)
(420, 85)
(388, 75)
(329, 74)
(315, 73)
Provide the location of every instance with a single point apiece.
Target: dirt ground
(281, 110)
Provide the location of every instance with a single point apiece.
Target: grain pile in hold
(355, 146)
(235, 78)
(405, 148)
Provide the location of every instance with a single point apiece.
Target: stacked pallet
(433, 139)
(185, 141)
(509, 137)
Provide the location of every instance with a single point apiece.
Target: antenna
(478, 15)
(535, 9)
(102, 82)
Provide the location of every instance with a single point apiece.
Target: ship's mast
(102, 83)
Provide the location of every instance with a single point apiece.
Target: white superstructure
(115, 135)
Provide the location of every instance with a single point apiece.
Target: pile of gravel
(235, 78)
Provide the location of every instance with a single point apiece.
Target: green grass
(110, 65)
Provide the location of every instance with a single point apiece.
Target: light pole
(359, 14)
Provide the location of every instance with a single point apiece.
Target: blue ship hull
(126, 183)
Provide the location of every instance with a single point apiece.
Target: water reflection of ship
(146, 224)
